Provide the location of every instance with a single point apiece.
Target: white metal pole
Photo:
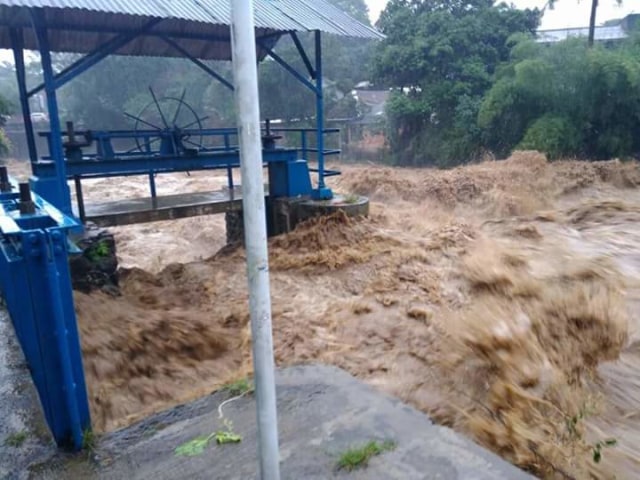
(245, 75)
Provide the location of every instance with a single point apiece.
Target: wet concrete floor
(25, 440)
(322, 410)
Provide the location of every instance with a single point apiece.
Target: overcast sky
(567, 13)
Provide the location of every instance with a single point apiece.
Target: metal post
(229, 166)
(152, 185)
(63, 202)
(80, 199)
(255, 232)
(303, 146)
(5, 186)
(323, 192)
(17, 42)
(26, 205)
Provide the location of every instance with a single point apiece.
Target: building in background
(363, 137)
(612, 32)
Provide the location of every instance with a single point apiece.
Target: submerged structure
(38, 218)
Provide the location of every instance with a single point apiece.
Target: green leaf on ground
(223, 437)
(193, 447)
(359, 457)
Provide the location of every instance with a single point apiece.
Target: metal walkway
(167, 207)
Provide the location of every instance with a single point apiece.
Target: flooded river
(500, 298)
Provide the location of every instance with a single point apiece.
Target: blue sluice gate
(36, 286)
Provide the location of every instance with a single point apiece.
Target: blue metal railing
(148, 138)
(110, 145)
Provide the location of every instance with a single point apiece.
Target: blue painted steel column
(322, 192)
(17, 43)
(69, 385)
(152, 185)
(63, 195)
(229, 167)
(53, 353)
(69, 326)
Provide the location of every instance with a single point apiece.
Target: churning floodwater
(499, 298)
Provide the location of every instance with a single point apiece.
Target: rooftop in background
(608, 33)
(374, 101)
(201, 27)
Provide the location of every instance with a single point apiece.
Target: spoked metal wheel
(169, 116)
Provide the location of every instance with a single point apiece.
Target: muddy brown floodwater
(499, 298)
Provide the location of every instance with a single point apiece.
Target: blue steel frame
(141, 164)
(56, 189)
(107, 161)
(322, 192)
(34, 272)
(35, 283)
(18, 55)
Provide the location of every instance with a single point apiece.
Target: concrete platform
(352, 205)
(322, 412)
(288, 212)
(166, 207)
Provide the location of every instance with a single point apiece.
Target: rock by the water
(97, 266)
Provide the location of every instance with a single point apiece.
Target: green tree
(441, 58)
(565, 100)
(355, 8)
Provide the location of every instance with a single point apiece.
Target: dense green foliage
(441, 58)
(566, 100)
(468, 79)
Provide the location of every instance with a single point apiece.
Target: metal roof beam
(204, 67)
(283, 63)
(17, 41)
(322, 192)
(108, 29)
(81, 25)
(93, 58)
(61, 195)
(181, 35)
(303, 54)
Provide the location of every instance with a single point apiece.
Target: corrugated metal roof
(199, 26)
(135, 7)
(321, 15)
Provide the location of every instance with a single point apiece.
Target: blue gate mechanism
(36, 286)
(167, 136)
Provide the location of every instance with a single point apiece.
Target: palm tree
(592, 23)
(592, 18)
